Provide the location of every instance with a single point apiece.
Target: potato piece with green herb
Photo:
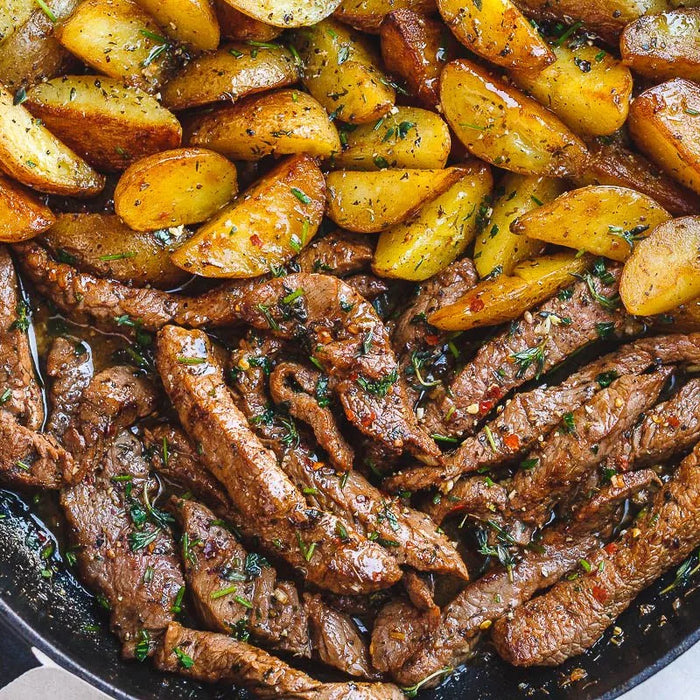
(502, 126)
(13, 14)
(234, 25)
(497, 248)
(367, 15)
(286, 13)
(600, 219)
(263, 228)
(22, 215)
(440, 233)
(191, 22)
(409, 137)
(341, 70)
(663, 272)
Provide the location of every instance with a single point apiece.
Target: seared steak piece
(571, 616)
(367, 286)
(20, 394)
(528, 348)
(259, 490)
(346, 337)
(236, 592)
(212, 657)
(69, 365)
(338, 253)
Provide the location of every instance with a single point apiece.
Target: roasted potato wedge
(502, 126)
(585, 87)
(279, 123)
(368, 202)
(497, 31)
(505, 298)
(613, 164)
(30, 153)
(191, 22)
(415, 49)
(409, 137)
(103, 245)
(232, 72)
(239, 27)
(664, 122)
(367, 15)
(341, 70)
(286, 13)
(497, 248)
(108, 124)
(600, 219)
(439, 234)
(663, 272)
(13, 14)
(22, 215)
(174, 188)
(263, 228)
(665, 45)
(119, 39)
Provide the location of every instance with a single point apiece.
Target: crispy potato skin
(233, 24)
(416, 48)
(266, 226)
(277, 123)
(103, 245)
(664, 46)
(191, 22)
(13, 14)
(664, 123)
(108, 124)
(227, 75)
(22, 215)
(368, 15)
(174, 188)
(500, 125)
(286, 14)
(663, 272)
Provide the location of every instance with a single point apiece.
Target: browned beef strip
(258, 488)
(541, 339)
(529, 415)
(20, 394)
(367, 286)
(69, 366)
(344, 334)
(295, 386)
(212, 657)
(338, 253)
(570, 617)
(234, 591)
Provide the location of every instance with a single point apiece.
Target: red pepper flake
(476, 304)
(351, 416)
(512, 442)
(485, 406)
(599, 593)
(674, 422)
(494, 392)
(610, 548)
(369, 419)
(256, 240)
(432, 339)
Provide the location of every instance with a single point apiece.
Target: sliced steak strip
(212, 657)
(236, 592)
(570, 618)
(529, 348)
(367, 286)
(20, 394)
(338, 253)
(342, 331)
(258, 488)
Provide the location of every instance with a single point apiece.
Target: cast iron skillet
(59, 617)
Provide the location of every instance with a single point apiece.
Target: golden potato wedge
(239, 27)
(497, 31)
(22, 215)
(504, 298)
(232, 72)
(664, 122)
(415, 49)
(585, 87)
(279, 123)
(191, 22)
(502, 126)
(600, 219)
(105, 122)
(174, 188)
(263, 228)
(367, 15)
(439, 234)
(286, 13)
(119, 39)
(103, 245)
(30, 153)
(665, 45)
(13, 14)
(664, 270)
(369, 202)
(497, 248)
(341, 70)
(409, 137)
(613, 164)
